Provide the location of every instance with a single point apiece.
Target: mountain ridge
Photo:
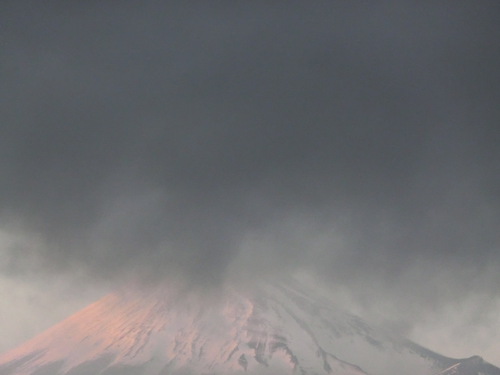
(280, 328)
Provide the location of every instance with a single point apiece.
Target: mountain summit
(279, 329)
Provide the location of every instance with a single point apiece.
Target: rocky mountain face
(278, 329)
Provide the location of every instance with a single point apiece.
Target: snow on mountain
(280, 329)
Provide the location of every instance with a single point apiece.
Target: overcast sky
(218, 142)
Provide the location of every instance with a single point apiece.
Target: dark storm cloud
(359, 141)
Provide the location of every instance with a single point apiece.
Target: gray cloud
(356, 141)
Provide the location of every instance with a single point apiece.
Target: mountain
(277, 329)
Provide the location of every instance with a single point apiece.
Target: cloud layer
(243, 140)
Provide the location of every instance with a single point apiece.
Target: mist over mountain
(219, 143)
(281, 328)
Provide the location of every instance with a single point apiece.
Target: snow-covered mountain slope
(280, 329)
